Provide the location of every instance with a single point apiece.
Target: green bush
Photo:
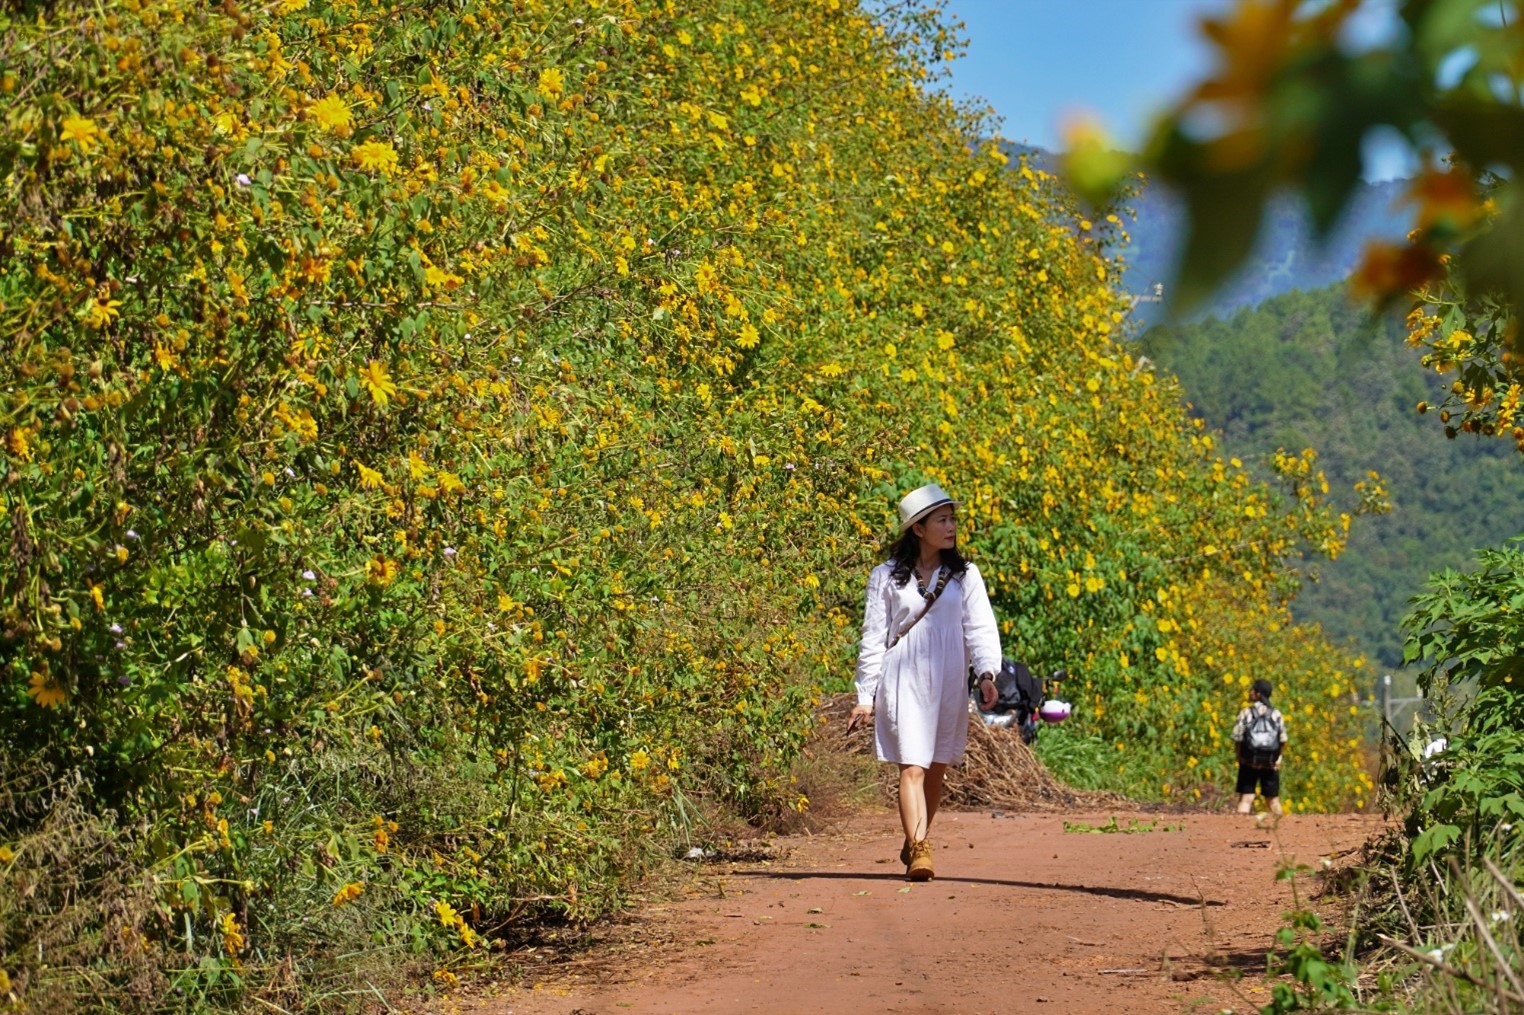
(1465, 631)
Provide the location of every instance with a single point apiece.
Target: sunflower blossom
(332, 114)
(348, 893)
(45, 692)
(378, 382)
(375, 155)
(81, 130)
(101, 312)
(552, 83)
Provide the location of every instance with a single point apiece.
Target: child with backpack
(1260, 734)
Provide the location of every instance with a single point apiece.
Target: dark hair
(906, 553)
(1262, 688)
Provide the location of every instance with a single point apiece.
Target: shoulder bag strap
(930, 602)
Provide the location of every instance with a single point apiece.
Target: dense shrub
(440, 439)
(1440, 894)
(1465, 631)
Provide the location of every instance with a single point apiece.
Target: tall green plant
(1467, 630)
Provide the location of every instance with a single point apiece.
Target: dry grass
(75, 913)
(998, 770)
(1463, 950)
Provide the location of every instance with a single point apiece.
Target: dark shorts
(1269, 780)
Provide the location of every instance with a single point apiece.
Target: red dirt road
(1024, 916)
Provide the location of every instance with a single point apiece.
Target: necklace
(920, 583)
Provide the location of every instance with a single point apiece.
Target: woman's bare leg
(913, 802)
(934, 776)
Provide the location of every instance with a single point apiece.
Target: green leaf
(1433, 840)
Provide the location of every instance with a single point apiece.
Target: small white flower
(290, 473)
(429, 107)
(517, 360)
(244, 181)
(577, 22)
(789, 466)
(1435, 954)
(1501, 916)
(449, 551)
(115, 629)
(133, 535)
(306, 593)
(310, 575)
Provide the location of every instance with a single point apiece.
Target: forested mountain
(1311, 369)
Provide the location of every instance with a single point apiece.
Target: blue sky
(1036, 61)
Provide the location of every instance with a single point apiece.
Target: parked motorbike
(1022, 700)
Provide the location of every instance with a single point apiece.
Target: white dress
(918, 689)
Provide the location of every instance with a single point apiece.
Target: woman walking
(928, 618)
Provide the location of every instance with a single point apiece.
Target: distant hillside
(1288, 256)
(1310, 369)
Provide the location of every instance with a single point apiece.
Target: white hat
(921, 502)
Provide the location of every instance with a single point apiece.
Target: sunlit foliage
(442, 440)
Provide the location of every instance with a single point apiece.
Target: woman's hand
(987, 692)
(859, 716)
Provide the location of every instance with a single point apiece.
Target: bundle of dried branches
(998, 770)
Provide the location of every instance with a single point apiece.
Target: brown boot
(920, 862)
(905, 853)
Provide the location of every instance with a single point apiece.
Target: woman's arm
(870, 655)
(981, 633)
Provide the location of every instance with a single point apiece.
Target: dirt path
(1023, 916)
